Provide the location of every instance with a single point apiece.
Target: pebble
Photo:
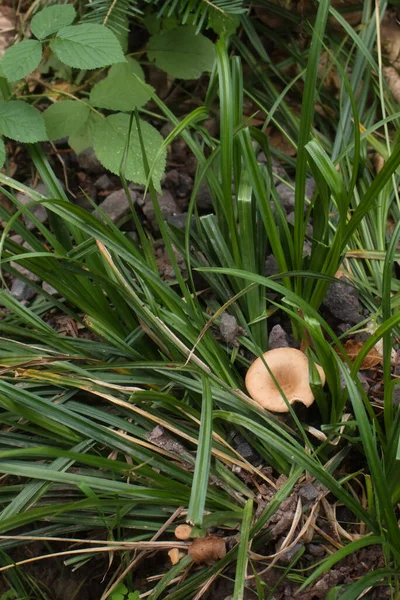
(49, 289)
(21, 290)
(116, 205)
(308, 492)
(168, 207)
(271, 266)
(203, 197)
(88, 161)
(342, 302)
(228, 328)
(103, 183)
(37, 209)
(278, 338)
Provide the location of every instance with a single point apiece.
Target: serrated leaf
(21, 59)
(87, 46)
(64, 118)
(121, 90)
(52, 19)
(81, 139)
(109, 140)
(22, 122)
(2, 153)
(182, 53)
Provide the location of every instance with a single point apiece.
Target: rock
(168, 207)
(103, 183)
(179, 221)
(185, 185)
(203, 197)
(37, 209)
(308, 492)
(228, 328)
(361, 377)
(342, 302)
(172, 178)
(310, 188)
(277, 338)
(49, 289)
(287, 556)
(166, 129)
(88, 161)
(316, 550)
(116, 205)
(309, 227)
(286, 196)
(22, 291)
(271, 266)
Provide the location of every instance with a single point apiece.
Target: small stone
(203, 197)
(286, 196)
(287, 556)
(88, 161)
(104, 183)
(179, 221)
(168, 207)
(278, 338)
(166, 129)
(116, 205)
(172, 178)
(185, 185)
(316, 550)
(271, 266)
(310, 188)
(49, 289)
(308, 492)
(361, 377)
(342, 302)
(21, 290)
(36, 208)
(228, 328)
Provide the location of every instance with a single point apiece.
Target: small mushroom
(182, 532)
(175, 556)
(290, 369)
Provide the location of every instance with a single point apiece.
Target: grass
(77, 454)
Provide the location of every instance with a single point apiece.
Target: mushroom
(183, 532)
(290, 369)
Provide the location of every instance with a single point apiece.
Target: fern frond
(199, 10)
(112, 13)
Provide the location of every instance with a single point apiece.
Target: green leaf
(22, 122)
(87, 46)
(52, 19)
(109, 140)
(82, 138)
(64, 118)
(121, 90)
(182, 53)
(21, 59)
(2, 153)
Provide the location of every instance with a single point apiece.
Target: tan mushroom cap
(290, 369)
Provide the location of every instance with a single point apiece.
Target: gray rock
(308, 492)
(185, 185)
(49, 289)
(228, 328)
(88, 161)
(278, 338)
(179, 221)
(104, 183)
(309, 227)
(21, 269)
(310, 188)
(271, 266)
(287, 556)
(361, 377)
(342, 302)
(166, 129)
(203, 197)
(116, 205)
(37, 209)
(21, 290)
(168, 207)
(286, 196)
(316, 550)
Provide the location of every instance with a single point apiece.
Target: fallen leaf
(281, 143)
(207, 550)
(7, 28)
(353, 348)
